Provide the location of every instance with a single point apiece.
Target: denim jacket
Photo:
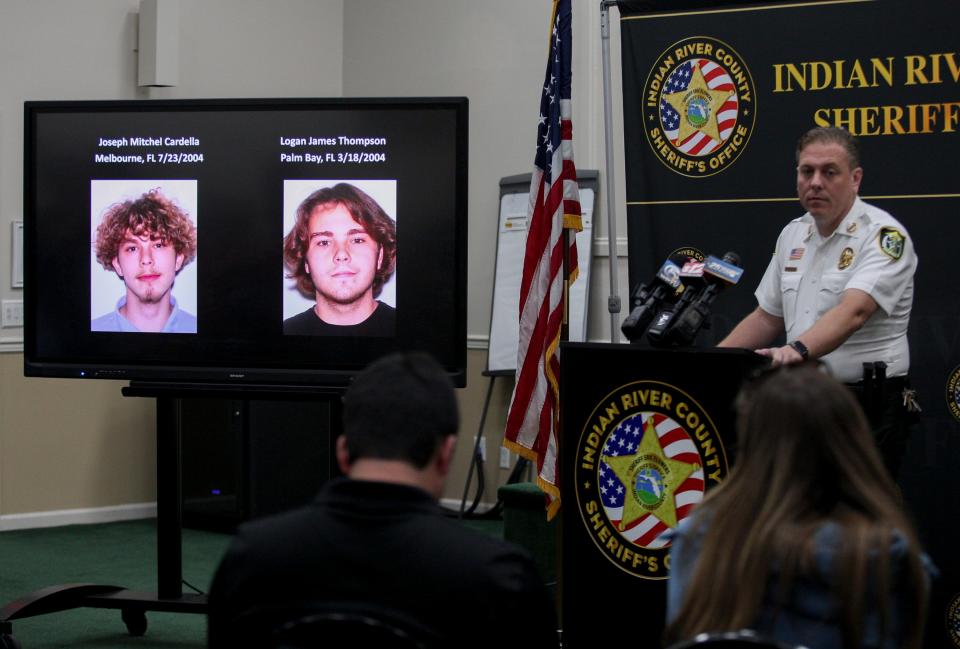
(812, 615)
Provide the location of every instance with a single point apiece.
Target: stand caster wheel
(7, 641)
(136, 621)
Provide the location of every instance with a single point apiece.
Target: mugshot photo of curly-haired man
(340, 258)
(145, 237)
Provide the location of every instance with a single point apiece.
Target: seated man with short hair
(378, 537)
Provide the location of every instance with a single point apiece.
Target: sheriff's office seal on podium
(699, 106)
(644, 459)
(952, 620)
(953, 393)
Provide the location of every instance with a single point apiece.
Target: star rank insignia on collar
(846, 258)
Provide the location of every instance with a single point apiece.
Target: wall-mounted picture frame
(16, 269)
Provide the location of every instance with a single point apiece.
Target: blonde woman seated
(804, 541)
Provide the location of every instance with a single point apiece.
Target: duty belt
(875, 387)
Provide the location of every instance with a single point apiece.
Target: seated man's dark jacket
(391, 545)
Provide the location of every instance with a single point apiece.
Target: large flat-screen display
(243, 241)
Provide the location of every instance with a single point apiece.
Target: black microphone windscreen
(732, 258)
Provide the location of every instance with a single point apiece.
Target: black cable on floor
(192, 587)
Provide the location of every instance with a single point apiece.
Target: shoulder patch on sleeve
(891, 242)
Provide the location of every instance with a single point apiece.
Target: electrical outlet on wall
(483, 447)
(505, 458)
(12, 315)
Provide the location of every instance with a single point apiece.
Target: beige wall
(75, 444)
(72, 444)
(471, 408)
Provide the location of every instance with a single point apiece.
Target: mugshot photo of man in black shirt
(341, 251)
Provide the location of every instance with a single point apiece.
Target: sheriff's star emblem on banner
(697, 105)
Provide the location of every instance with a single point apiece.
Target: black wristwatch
(801, 349)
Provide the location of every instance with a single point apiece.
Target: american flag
(533, 422)
(699, 143)
(648, 531)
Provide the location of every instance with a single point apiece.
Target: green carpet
(120, 554)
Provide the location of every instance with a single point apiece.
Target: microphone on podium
(691, 274)
(646, 300)
(718, 274)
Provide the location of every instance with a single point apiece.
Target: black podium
(643, 434)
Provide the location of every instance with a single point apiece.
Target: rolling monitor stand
(169, 597)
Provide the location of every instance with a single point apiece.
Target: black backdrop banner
(886, 70)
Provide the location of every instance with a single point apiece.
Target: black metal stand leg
(169, 500)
